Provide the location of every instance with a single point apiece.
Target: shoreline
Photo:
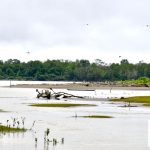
(79, 86)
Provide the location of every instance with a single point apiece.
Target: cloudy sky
(75, 29)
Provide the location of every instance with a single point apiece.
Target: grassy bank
(61, 105)
(136, 99)
(10, 129)
(145, 100)
(146, 104)
(142, 81)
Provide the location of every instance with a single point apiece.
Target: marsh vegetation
(61, 105)
(13, 125)
(11, 129)
(145, 100)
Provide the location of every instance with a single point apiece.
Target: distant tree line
(79, 70)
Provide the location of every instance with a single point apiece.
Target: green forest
(79, 70)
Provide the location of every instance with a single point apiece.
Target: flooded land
(89, 124)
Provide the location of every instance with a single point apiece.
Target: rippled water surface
(128, 129)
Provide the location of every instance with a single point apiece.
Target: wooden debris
(57, 95)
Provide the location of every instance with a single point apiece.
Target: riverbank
(82, 86)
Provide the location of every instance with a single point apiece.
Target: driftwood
(57, 95)
(44, 94)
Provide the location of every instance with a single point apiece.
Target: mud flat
(81, 86)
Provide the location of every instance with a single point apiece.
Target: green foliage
(79, 70)
(139, 81)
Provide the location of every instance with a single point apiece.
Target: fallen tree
(57, 95)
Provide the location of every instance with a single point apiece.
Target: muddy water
(126, 131)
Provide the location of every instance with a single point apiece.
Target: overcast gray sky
(75, 29)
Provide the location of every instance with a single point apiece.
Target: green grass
(136, 99)
(60, 105)
(10, 129)
(146, 104)
(139, 81)
(96, 116)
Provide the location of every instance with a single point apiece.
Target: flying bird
(28, 52)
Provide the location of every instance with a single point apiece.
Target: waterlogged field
(101, 125)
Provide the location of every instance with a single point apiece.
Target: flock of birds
(148, 25)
